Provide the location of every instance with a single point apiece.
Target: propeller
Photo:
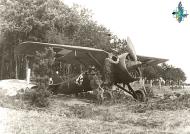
(130, 56)
(131, 49)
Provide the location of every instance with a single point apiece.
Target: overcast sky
(149, 24)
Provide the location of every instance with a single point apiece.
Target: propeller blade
(131, 49)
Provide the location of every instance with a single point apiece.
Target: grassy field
(69, 115)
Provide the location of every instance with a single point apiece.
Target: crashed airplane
(125, 68)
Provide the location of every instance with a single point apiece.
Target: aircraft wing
(150, 60)
(66, 53)
(77, 54)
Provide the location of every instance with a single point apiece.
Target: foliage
(117, 45)
(42, 66)
(151, 72)
(149, 91)
(89, 33)
(48, 21)
(35, 20)
(167, 72)
(171, 73)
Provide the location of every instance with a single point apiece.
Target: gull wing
(66, 53)
(150, 60)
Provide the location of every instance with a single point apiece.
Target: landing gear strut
(138, 94)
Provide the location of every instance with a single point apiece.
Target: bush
(42, 65)
(37, 97)
(149, 91)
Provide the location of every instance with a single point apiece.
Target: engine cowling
(129, 68)
(124, 69)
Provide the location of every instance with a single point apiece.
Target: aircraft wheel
(140, 95)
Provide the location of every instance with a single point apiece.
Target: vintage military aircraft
(125, 68)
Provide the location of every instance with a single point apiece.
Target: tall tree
(48, 21)
(171, 73)
(151, 72)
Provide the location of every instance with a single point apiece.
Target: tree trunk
(16, 67)
(150, 83)
(11, 64)
(2, 62)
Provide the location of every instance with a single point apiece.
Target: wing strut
(91, 56)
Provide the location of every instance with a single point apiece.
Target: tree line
(170, 74)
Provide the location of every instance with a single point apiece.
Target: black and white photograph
(94, 67)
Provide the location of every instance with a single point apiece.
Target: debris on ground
(10, 87)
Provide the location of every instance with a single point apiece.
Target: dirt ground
(70, 115)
